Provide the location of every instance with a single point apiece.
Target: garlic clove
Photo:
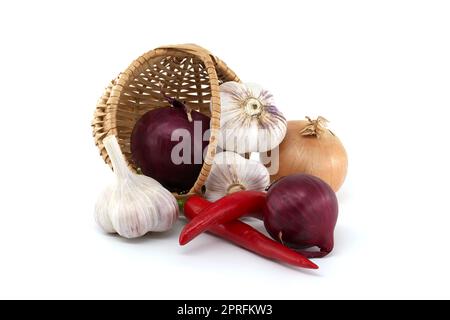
(142, 208)
(231, 173)
(131, 216)
(230, 92)
(259, 92)
(135, 204)
(250, 121)
(161, 198)
(101, 211)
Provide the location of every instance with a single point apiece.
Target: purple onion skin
(301, 212)
(151, 147)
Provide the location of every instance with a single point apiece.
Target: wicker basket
(187, 72)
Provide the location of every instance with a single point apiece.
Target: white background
(379, 70)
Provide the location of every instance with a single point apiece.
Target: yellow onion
(309, 147)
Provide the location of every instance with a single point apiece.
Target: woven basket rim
(108, 103)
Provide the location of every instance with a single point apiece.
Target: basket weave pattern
(187, 72)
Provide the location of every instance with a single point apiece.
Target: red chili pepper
(247, 237)
(228, 208)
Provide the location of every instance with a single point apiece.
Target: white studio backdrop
(378, 70)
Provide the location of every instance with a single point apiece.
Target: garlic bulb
(231, 172)
(135, 204)
(249, 120)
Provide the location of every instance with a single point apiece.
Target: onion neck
(315, 127)
(235, 187)
(188, 113)
(175, 103)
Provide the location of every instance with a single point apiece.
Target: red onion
(301, 212)
(152, 145)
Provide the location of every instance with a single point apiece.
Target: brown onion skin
(151, 147)
(324, 156)
(301, 212)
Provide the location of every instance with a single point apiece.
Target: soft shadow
(344, 239)
(309, 272)
(203, 247)
(171, 234)
(343, 196)
(195, 247)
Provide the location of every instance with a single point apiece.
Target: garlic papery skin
(102, 211)
(249, 121)
(135, 204)
(231, 172)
